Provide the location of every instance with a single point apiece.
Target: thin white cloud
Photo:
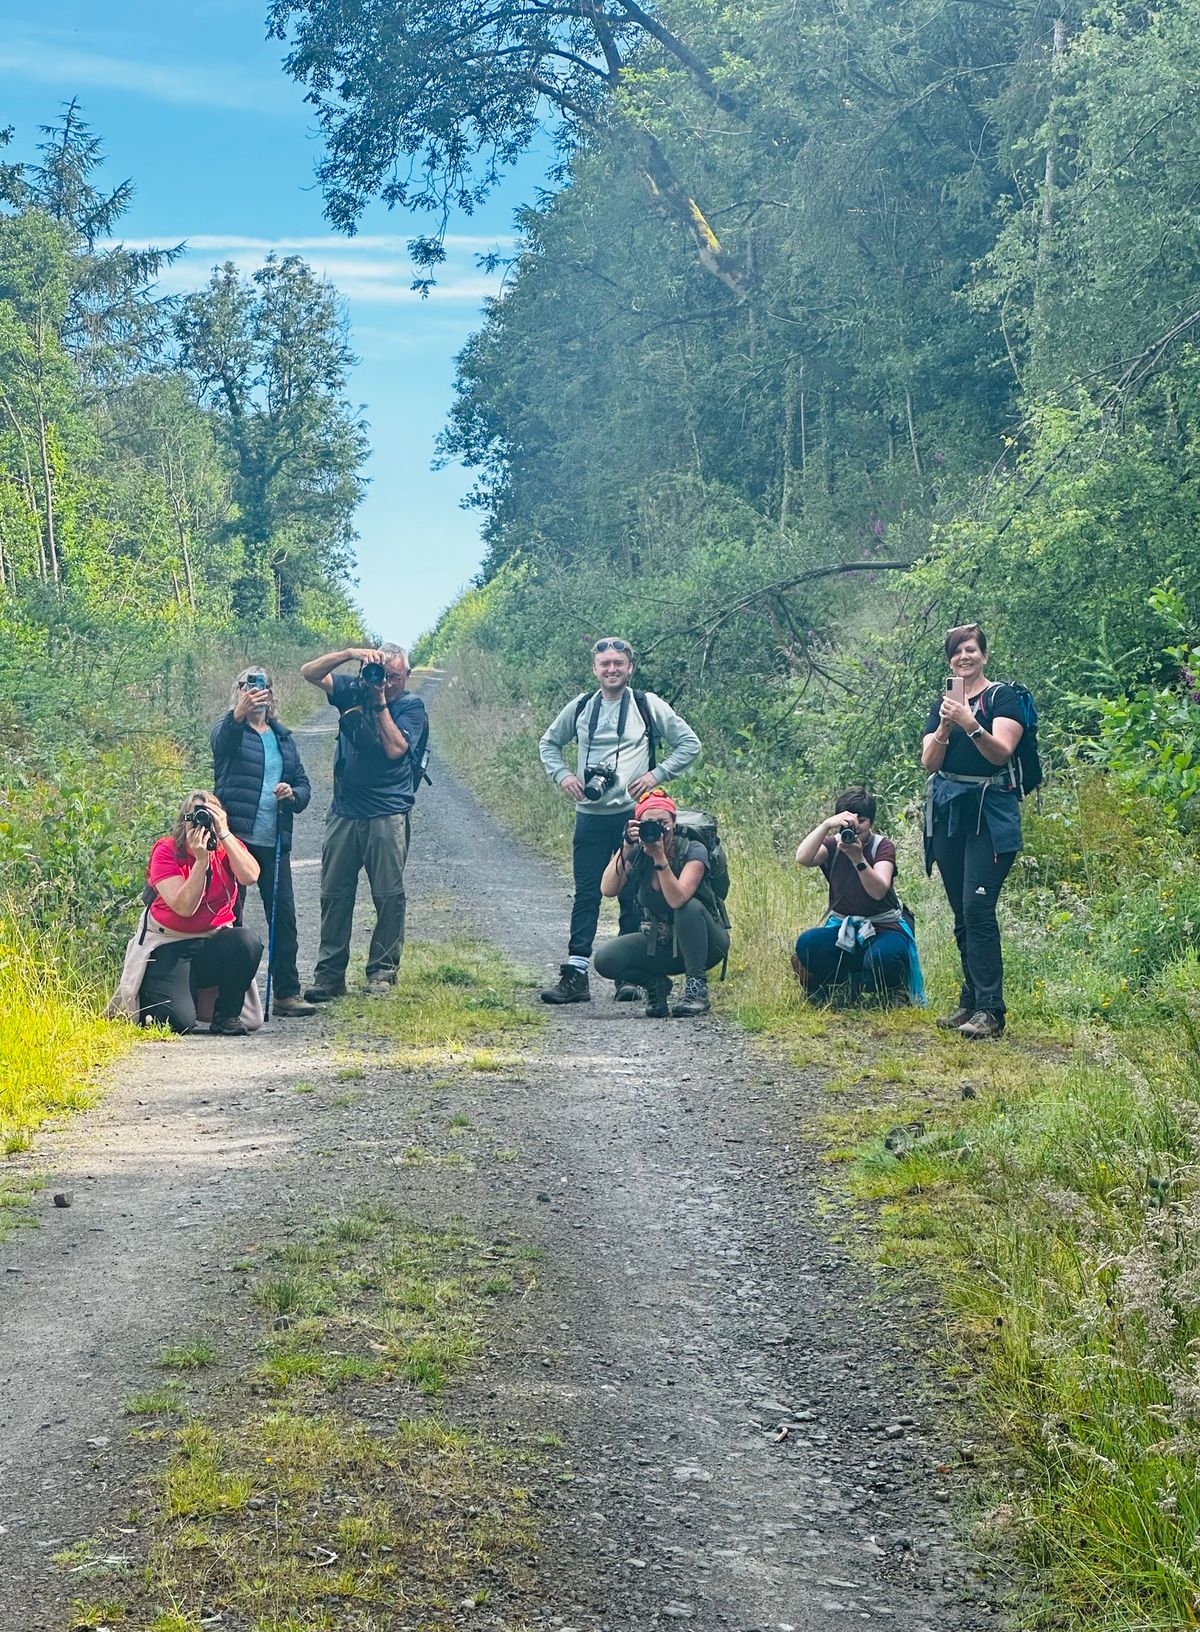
(217, 243)
(378, 282)
(49, 62)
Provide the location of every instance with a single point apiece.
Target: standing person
(620, 733)
(261, 782)
(864, 944)
(381, 733)
(973, 820)
(681, 930)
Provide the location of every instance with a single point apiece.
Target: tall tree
(271, 355)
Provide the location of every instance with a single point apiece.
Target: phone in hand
(956, 688)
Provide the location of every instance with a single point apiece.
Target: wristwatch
(378, 708)
(662, 867)
(978, 732)
(860, 866)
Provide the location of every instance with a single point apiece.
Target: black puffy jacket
(238, 775)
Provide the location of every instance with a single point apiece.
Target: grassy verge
(1048, 1185)
(325, 1494)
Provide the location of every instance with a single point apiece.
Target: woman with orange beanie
(681, 931)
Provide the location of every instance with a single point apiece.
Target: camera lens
(373, 674)
(848, 835)
(650, 831)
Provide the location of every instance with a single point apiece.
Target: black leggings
(227, 960)
(972, 876)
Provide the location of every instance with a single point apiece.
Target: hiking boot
(657, 993)
(951, 1022)
(380, 988)
(981, 1025)
(570, 987)
(231, 1026)
(625, 993)
(292, 1007)
(694, 999)
(323, 994)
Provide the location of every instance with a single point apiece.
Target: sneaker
(951, 1022)
(233, 1026)
(570, 987)
(626, 993)
(694, 999)
(380, 988)
(982, 1025)
(323, 994)
(657, 994)
(292, 1007)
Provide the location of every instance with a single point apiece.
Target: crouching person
(189, 959)
(681, 931)
(865, 945)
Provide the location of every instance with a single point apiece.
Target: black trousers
(703, 943)
(596, 837)
(285, 980)
(972, 876)
(227, 960)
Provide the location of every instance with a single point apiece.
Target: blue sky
(193, 106)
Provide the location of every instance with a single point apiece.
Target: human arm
(392, 738)
(299, 789)
(811, 851)
(683, 742)
(319, 670)
(242, 864)
(874, 876)
(676, 892)
(996, 743)
(560, 731)
(622, 862)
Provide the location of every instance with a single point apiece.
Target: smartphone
(956, 687)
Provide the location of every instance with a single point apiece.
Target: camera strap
(594, 721)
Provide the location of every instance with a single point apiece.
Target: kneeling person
(864, 945)
(681, 931)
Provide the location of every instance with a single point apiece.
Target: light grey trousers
(380, 845)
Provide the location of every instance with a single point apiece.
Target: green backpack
(697, 826)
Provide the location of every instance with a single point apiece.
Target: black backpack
(421, 754)
(643, 708)
(1027, 768)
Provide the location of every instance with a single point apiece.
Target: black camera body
(598, 781)
(848, 835)
(204, 819)
(650, 831)
(255, 682)
(372, 674)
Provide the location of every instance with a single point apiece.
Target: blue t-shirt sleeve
(409, 714)
(338, 695)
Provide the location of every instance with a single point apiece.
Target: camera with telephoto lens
(650, 831)
(204, 819)
(372, 674)
(848, 835)
(598, 781)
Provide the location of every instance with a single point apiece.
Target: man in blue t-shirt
(381, 729)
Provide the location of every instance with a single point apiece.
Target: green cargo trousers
(379, 844)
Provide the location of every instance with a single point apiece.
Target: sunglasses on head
(611, 646)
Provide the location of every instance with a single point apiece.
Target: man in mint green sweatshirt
(629, 742)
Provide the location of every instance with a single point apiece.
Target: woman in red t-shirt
(194, 872)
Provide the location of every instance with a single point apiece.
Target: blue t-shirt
(266, 818)
(366, 783)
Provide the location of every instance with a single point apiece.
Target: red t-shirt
(216, 904)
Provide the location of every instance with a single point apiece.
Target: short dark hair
(858, 800)
(965, 631)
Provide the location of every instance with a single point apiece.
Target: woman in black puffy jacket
(262, 784)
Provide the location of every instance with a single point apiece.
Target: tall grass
(52, 1039)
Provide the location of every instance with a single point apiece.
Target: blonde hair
(198, 796)
(255, 668)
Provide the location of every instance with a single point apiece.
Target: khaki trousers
(380, 845)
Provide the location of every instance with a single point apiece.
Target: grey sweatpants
(381, 846)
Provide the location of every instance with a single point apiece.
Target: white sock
(579, 963)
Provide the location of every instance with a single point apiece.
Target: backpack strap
(644, 710)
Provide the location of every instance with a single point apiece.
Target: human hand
(572, 787)
(366, 654)
(631, 837)
(197, 842)
(955, 713)
(284, 790)
(642, 784)
(248, 700)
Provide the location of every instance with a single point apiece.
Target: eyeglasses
(612, 646)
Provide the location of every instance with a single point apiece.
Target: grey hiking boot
(626, 992)
(951, 1022)
(231, 1025)
(658, 993)
(323, 994)
(694, 999)
(982, 1025)
(570, 987)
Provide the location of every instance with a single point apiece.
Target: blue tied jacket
(238, 775)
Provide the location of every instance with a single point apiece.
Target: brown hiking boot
(951, 1022)
(570, 987)
(292, 1007)
(981, 1026)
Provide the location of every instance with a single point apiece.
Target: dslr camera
(598, 781)
(847, 835)
(204, 819)
(650, 830)
(353, 722)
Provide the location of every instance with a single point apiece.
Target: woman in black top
(973, 821)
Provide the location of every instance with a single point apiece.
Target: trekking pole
(271, 925)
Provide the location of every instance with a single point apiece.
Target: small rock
(63, 1198)
(893, 1431)
(675, 1611)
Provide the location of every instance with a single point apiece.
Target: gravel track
(691, 1301)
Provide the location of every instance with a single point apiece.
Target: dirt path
(690, 1301)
